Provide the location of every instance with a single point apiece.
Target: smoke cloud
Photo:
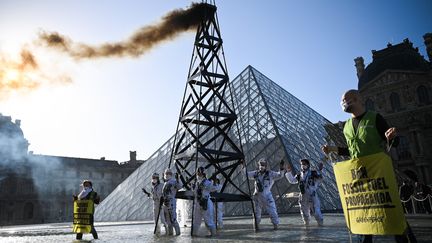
(14, 74)
(144, 39)
(25, 74)
(28, 73)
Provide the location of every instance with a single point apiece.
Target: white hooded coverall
(308, 198)
(203, 207)
(156, 194)
(169, 191)
(219, 206)
(263, 197)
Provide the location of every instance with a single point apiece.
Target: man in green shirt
(365, 132)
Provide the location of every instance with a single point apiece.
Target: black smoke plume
(144, 39)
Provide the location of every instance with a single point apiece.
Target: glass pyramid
(271, 124)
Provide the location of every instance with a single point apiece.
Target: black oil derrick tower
(205, 131)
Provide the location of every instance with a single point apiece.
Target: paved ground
(236, 230)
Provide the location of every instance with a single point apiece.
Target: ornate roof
(402, 56)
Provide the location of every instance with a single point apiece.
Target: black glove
(145, 192)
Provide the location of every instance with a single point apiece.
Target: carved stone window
(422, 94)
(395, 102)
(403, 149)
(28, 210)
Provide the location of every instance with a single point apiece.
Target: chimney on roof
(18, 122)
(359, 64)
(428, 43)
(132, 156)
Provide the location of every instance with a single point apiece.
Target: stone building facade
(39, 188)
(398, 85)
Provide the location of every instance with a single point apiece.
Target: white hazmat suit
(309, 181)
(263, 198)
(155, 194)
(203, 208)
(219, 206)
(170, 188)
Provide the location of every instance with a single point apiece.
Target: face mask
(305, 167)
(154, 181)
(347, 106)
(167, 177)
(86, 188)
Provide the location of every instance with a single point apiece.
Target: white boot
(177, 229)
(158, 231)
(195, 231)
(212, 232)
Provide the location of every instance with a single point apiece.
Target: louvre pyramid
(271, 124)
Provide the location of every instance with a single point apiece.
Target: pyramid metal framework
(272, 124)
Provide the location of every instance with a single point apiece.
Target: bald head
(352, 93)
(352, 102)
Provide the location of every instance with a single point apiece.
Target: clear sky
(114, 105)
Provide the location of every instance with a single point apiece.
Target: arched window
(28, 210)
(395, 102)
(428, 119)
(403, 149)
(422, 94)
(370, 106)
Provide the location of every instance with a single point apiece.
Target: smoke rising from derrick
(144, 39)
(28, 73)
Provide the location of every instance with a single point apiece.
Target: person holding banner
(169, 191)
(84, 210)
(367, 183)
(156, 195)
(308, 182)
(263, 198)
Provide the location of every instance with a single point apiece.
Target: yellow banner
(369, 195)
(83, 216)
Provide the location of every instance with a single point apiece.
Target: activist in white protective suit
(156, 194)
(203, 206)
(219, 205)
(169, 190)
(264, 179)
(308, 182)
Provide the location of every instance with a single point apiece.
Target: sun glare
(11, 75)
